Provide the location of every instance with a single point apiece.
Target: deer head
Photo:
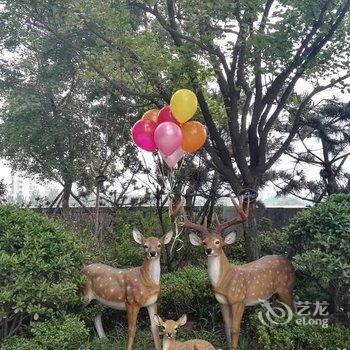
(152, 245)
(169, 327)
(214, 241)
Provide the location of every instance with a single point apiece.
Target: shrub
(294, 336)
(39, 267)
(127, 253)
(319, 239)
(2, 192)
(273, 242)
(187, 291)
(67, 333)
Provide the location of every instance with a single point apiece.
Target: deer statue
(169, 328)
(238, 286)
(128, 289)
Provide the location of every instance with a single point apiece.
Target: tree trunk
(67, 188)
(251, 240)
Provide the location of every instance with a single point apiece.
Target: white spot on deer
(110, 278)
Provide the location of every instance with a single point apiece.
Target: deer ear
(194, 239)
(137, 236)
(167, 237)
(230, 238)
(182, 320)
(158, 320)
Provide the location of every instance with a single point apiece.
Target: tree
(57, 125)
(325, 142)
(243, 59)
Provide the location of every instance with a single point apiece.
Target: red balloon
(143, 134)
(165, 115)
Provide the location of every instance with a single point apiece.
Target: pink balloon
(168, 137)
(143, 134)
(173, 159)
(165, 115)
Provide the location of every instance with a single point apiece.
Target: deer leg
(131, 311)
(287, 298)
(152, 310)
(99, 327)
(227, 317)
(237, 313)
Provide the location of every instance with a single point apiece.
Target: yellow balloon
(183, 105)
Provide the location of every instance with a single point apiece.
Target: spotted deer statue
(238, 286)
(169, 328)
(128, 289)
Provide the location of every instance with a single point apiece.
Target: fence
(277, 216)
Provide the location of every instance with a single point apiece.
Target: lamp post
(100, 179)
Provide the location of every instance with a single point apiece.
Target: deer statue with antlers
(169, 328)
(129, 289)
(238, 286)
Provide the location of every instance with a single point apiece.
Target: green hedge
(319, 239)
(187, 291)
(39, 267)
(294, 336)
(66, 333)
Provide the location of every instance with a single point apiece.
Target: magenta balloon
(143, 134)
(165, 115)
(173, 159)
(168, 137)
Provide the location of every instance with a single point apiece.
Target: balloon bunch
(169, 129)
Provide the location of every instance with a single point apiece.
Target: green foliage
(39, 265)
(298, 336)
(2, 191)
(273, 242)
(56, 122)
(188, 291)
(67, 333)
(125, 251)
(143, 340)
(319, 239)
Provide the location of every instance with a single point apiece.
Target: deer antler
(242, 210)
(173, 213)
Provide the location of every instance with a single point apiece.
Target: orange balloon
(194, 135)
(152, 114)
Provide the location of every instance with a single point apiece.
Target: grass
(143, 341)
